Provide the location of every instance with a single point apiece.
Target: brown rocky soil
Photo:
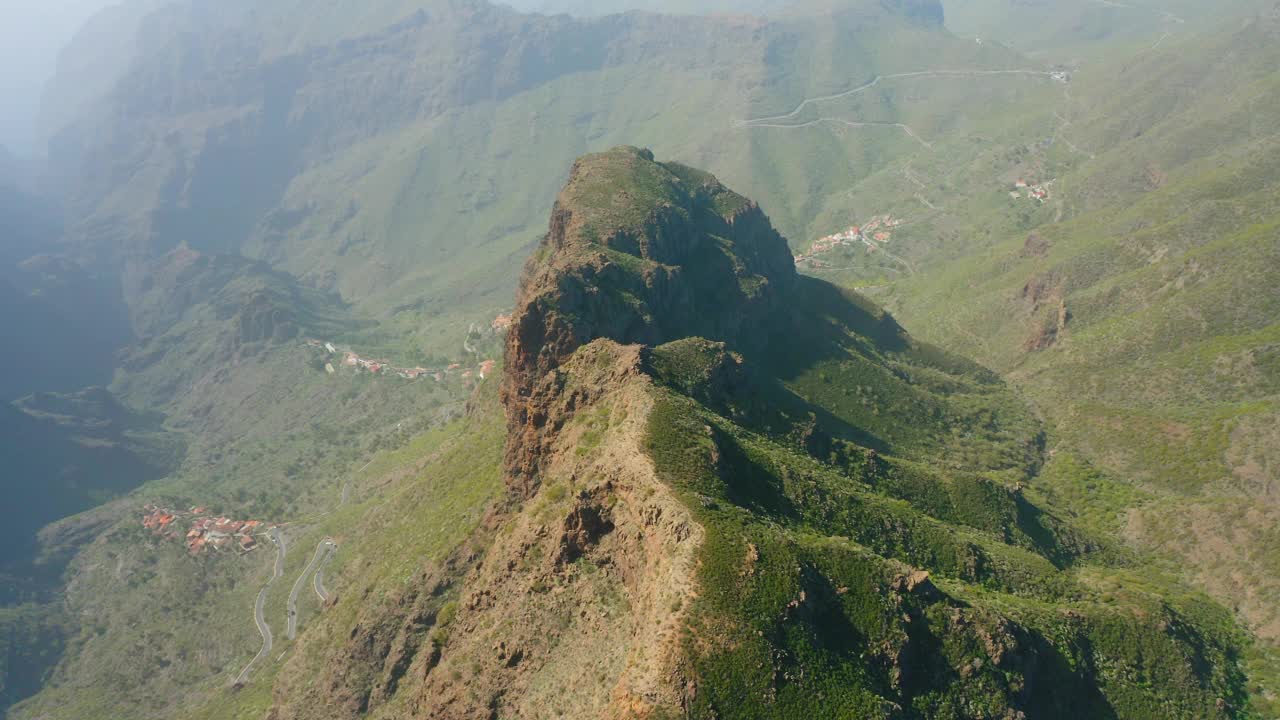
(574, 612)
(571, 610)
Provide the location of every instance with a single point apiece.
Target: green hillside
(248, 414)
(731, 490)
(416, 195)
(1141, 323)
(787, 556)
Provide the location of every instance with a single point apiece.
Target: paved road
(761, 122)
(325, 547)
(258, 619)
(317, 581)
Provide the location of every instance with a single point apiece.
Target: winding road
(760, 122)
(779, 121)
(906, 172)
(323, 549)
(265, 630)
(317, 580)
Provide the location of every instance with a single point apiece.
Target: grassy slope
(421, 215)
(268, 434)
(835, 153)
(411, 504)
(1162, 387)
(801, 611)
(827, 454)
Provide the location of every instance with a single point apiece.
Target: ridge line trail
(263, 628)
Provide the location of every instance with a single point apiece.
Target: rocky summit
(903, 359)
(638, 252)
(735, 492)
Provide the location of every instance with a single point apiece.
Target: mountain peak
(638, 251)
(625, 201)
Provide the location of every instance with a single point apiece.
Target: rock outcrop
(638, 252)
(692, 529)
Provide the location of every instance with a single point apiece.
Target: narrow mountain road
(850, 123)
(343, 499)
(263, 629)
(911, 176)
(317, 580)
(328, 546)
(761, 122)
(322, 549)
(780, 121)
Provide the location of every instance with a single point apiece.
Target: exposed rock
(1036, 245)
(584, 527)
(1040, 288)
(1045, 300)
(638, 252)
(1049, 331)
(261, 318)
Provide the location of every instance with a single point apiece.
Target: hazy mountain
(712, 477)
(696, 520)
(922, 9)
(260, 134)
(69, 453)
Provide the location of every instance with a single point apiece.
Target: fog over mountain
(32, 33)
(640, 359)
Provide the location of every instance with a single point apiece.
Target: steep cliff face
(743, 374)
(733, 492)
(638, 252)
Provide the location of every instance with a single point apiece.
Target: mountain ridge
(698, 514)
(812, 508)
(642, 267)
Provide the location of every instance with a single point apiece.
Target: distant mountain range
(1005, 448)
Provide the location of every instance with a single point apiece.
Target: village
(206, 532)
(871, 235)
(353, 360)
(1033, 191)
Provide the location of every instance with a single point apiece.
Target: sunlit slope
(405, 166)
(1143, 323)
(694, 516)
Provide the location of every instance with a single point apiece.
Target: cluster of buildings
(222, 534)
(352, 360)
(871, 235)
(377, 367)
(207, 533)
(355, 361)
(160, 522)
(1034, 191)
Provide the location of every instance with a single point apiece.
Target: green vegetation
(809, 616)
(149, 598)
(835, 465)
(374, 175)
(1156, 245)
